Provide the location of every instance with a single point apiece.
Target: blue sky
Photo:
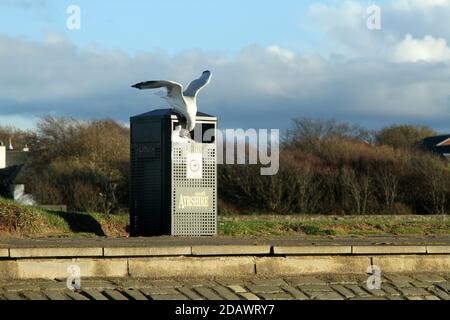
(170, 25)
(271, 61)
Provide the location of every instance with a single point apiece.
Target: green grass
(18, 221)
(298, 225)
(28, 222)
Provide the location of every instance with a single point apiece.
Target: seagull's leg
(185, 134)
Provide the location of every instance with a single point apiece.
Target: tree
(403, 136)
(306, 133)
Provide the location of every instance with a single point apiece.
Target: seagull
(185, 103)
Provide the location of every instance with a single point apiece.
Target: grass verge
(295, 225)
(28, 222)
(18, 221)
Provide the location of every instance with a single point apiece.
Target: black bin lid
(165, 113)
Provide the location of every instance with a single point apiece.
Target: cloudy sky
(271, 61)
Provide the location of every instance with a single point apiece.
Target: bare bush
(403, 136)
(84, 165)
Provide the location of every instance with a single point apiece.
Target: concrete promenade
(165, 257)
(417, 286)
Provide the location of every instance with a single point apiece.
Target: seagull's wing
(173, 89)
(198, 84)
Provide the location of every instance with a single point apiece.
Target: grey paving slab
(429, 277)
(237, 288)
(401, 284)
(439, 293)
(269, 282)
(199, 283)
(52, 285)
(34, 295)
(326, 295)
(158, 291)
(225, 293)
(390, 290)
(329, 287)
(76, 296)
(306, 280)
(395, 298)
(371, 298)
(249, 296)
(414, 292)
(13, 296)
(297, 294)
(317, 287)
(128, 283)
(445, 286)
(21, 286)
(191, 294)
(114, 295)
(348, 294)
(376, 292)
(398, 278)
(134, 294)
(343, 278)
(56, 295)
(166, 283)
(421, 284)
(359, 291)
(276, 296)
(93, 294)
(415, 298)
(169, 297)
(208, 293)
(264, 289)
(98, 284)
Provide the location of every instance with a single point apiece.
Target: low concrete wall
(215, 261)
(191, 267)
(297, 265)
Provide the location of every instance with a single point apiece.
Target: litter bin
(173, 181)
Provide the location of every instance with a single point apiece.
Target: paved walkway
(218, 241)
(435, 286)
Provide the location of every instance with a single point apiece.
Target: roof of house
(438, 144)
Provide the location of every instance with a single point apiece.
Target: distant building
(439, 145)
(11, 163)
(10, 157)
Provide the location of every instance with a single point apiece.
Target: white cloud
(23, 3)
(284, 54)
(428, 49)
(410, 5)
(259, 87)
